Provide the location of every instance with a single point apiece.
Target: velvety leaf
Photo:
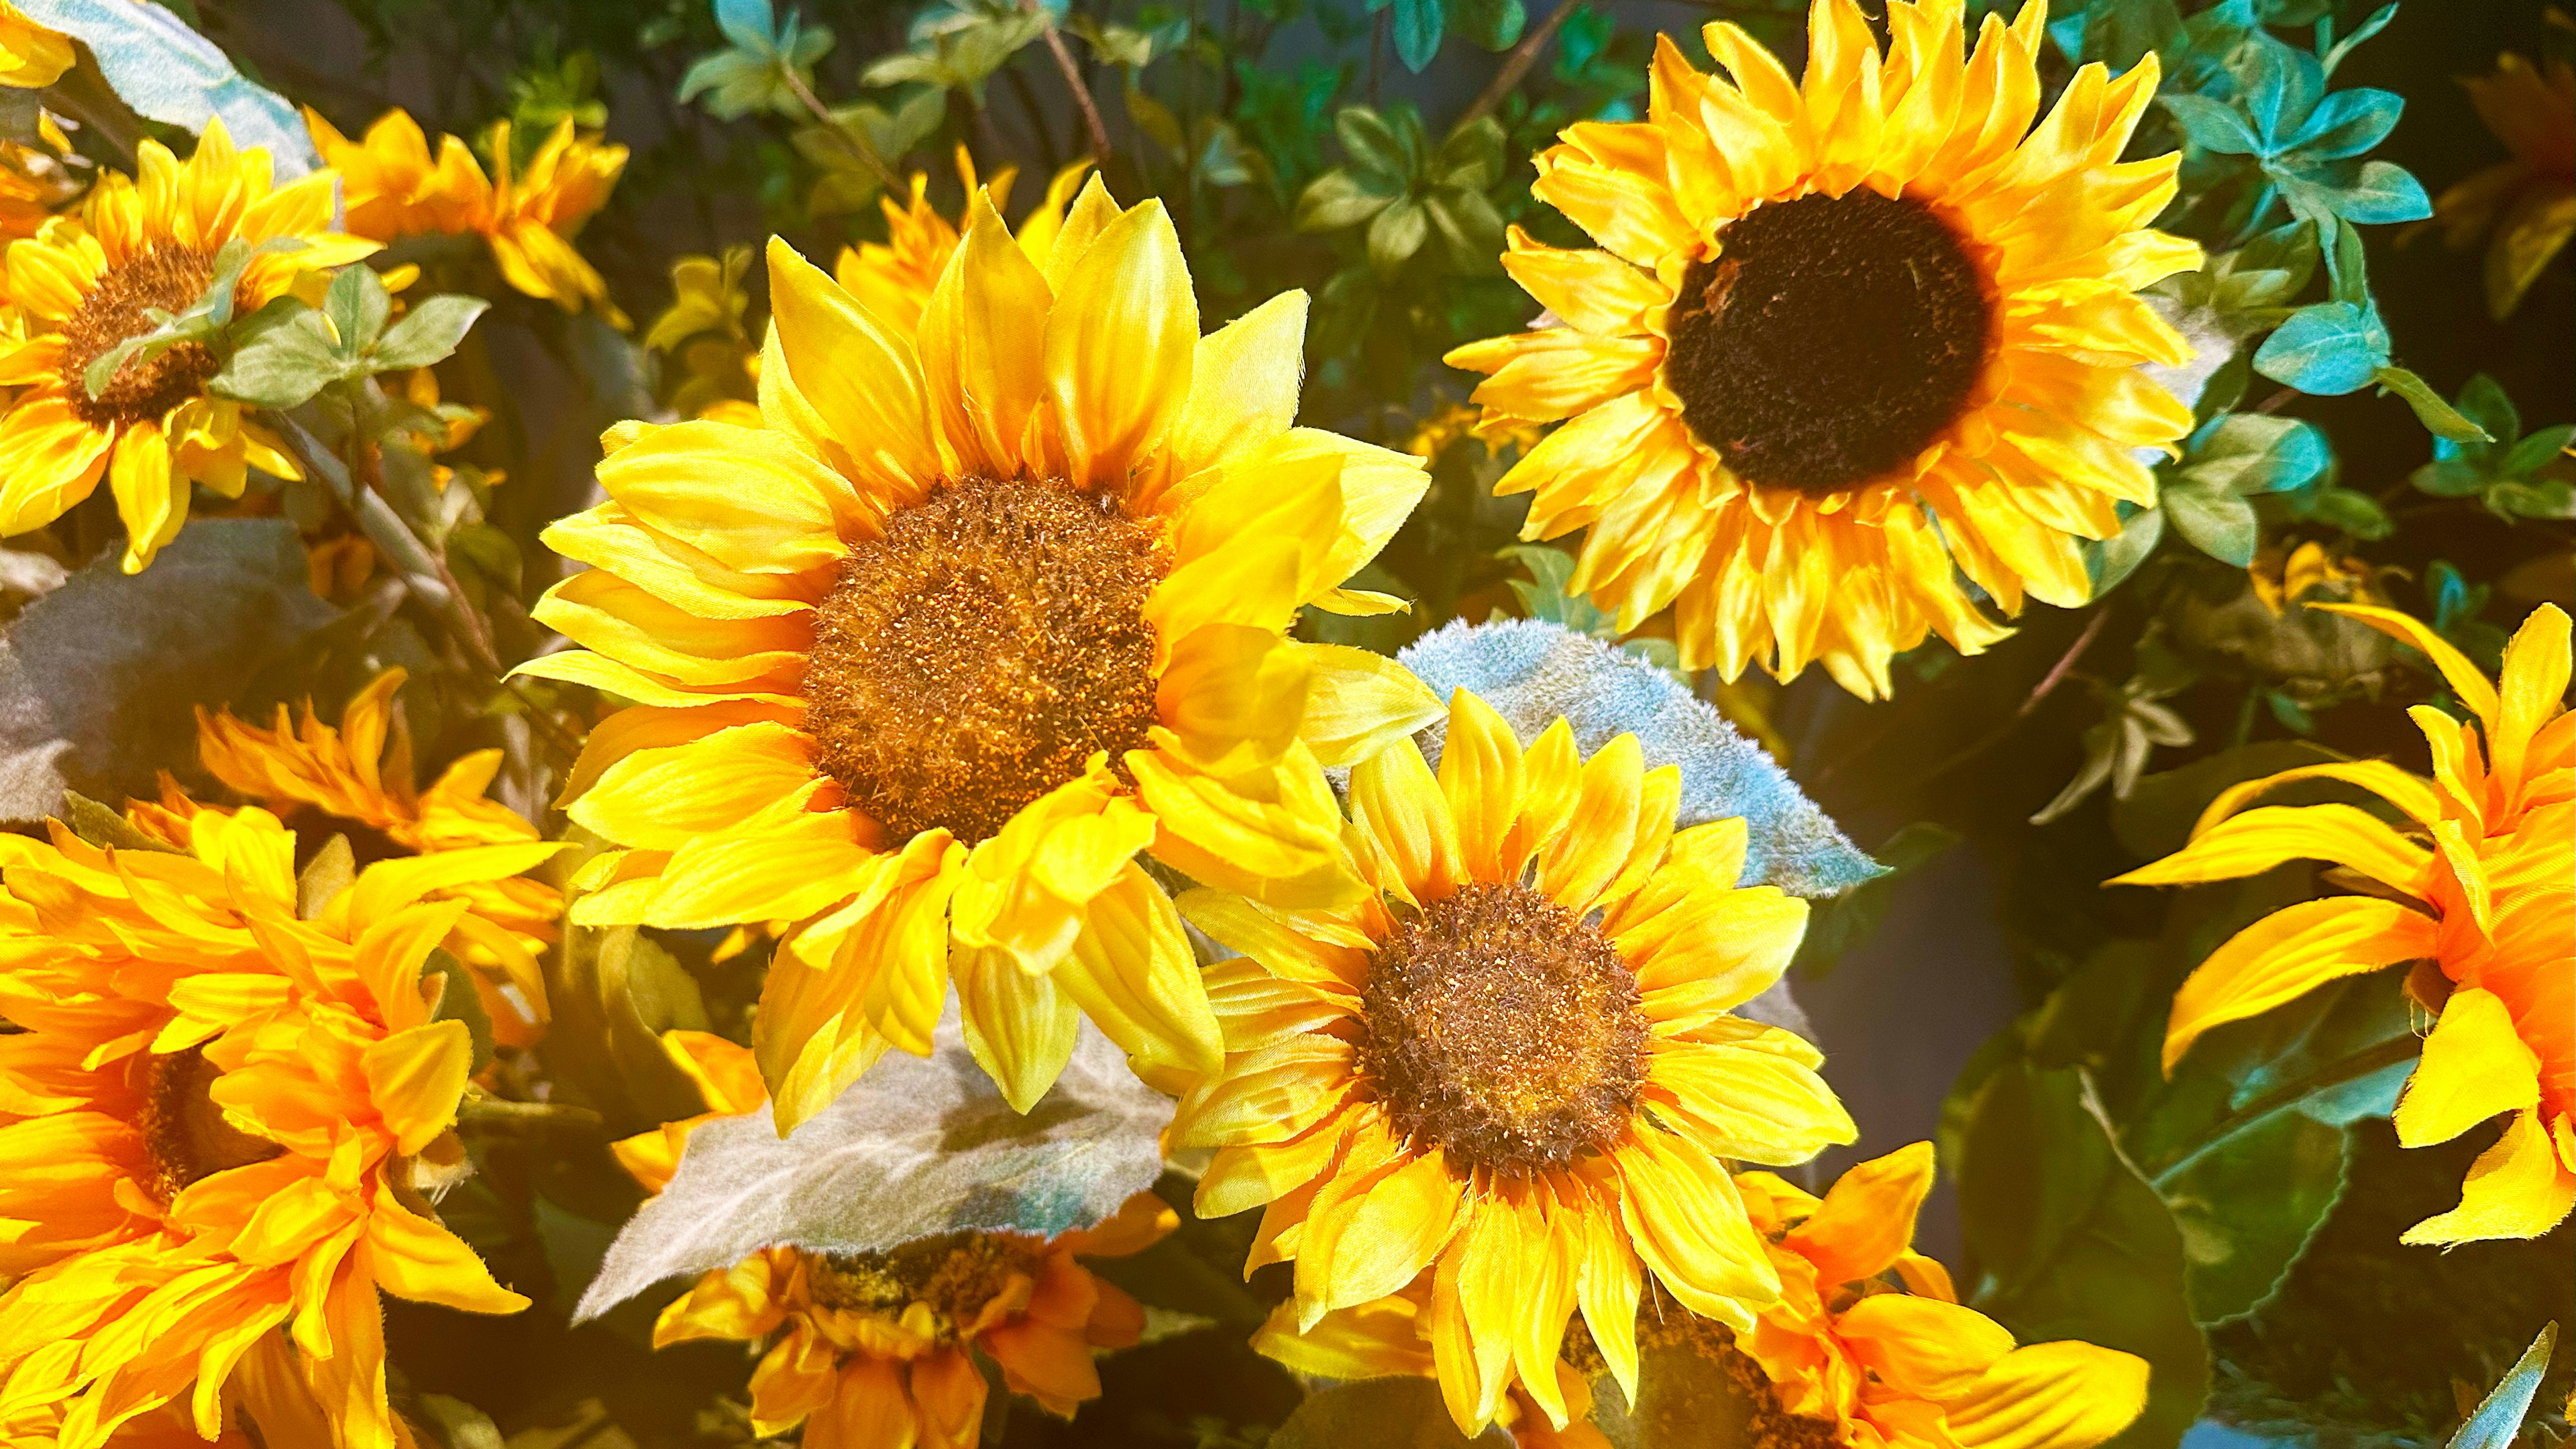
(169, 73)
(1533, 672)
(920, 1147)
(2498, 1417)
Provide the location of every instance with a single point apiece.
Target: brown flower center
(184, 1132)
(1724, 1398)
(955, 1276)
(1504, 1030)
(169, 277)
(981, 652)
(1829, 341)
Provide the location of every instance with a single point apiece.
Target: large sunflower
(1847, 341)
(2478, 890)
(218, 1120)
(894, 278)
(880, 1349)
(355, 781)
(1513, 1062)
(923, 662)
(86, 284)
(396, 188)
(1867, 1347)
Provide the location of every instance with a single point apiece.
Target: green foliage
(767, 63)
(2500, 466)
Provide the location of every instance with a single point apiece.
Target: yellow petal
(2260, 839)
(2474, 1066)
(862, 382)
(1243, 386)
(2288, 954)
(981, 364)
(1688, 1225)
(1922, 1346)
(1020, 1027)
(1120, 345)
(1360, 702)
(2519, 1188)
(2050, 1396)
(1132, 972)
(1397, 804)
(415, 1077)
(1866, 1221)
(2465, 678)
(417, 1258)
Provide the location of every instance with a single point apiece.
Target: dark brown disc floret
(169, 277)
(185, 1134)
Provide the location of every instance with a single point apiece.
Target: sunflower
(1513, 1062)
(355, 781)
(876, 1349)
(894, 279)
(1846, 1356)
(218, 1120)
(86, 284)
(2528, 201)
(31, 57)
(922, 663)
(2478, 890)
(1845, 342)
(395, 188)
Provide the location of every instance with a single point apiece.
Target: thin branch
(2047, 685)
(1517, 64)
(867, 152)
(1091, 122)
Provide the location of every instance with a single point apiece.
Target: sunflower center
(141, 389)
(184, 1132)
(981, 652)
(956, 1276)
(1504, 1030)
(1829, 341)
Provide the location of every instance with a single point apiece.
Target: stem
(2285, 1098)
(2047, 685)
(859, 143)
(1091, 122)
(481, 1110)
(1517, 64)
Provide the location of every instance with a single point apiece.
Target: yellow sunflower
(395, 188)
(1847, 341)
(85, 285)
(925, 661)
(894, 279)
(356, 782)
(2528, 201)
(2478, 889)
(1867, 1346)
(1513, 1062)
(219, 1119)
(31, 57)
(881, 1349)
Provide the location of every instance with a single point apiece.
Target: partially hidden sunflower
(894, 278)
(2476, 888)
(221, 1115)
(1513, 1063)
(355, 781)
(1867, 1347)
(395, 188)
(31, 57)
(1845, 342)
(2527, 203)
(875, 1350)
(926, 660)
(87, 283)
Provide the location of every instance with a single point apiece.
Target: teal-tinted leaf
(749, 24)
(2267, 271)
(1417, 32)
(2383, 192)
(2215, 521)
(169, 73)
(2328, 349)
(2212, 125)
(2537, 451)
(2281, 84)
(285, 354)
(2498, 1418)
(2250, 453)
(2370, 26)
(2437, 416)
(1493, 24)
(1338, 199)
(2449, 478)
(2347, 123)
(2112, 560)
(1396, 233)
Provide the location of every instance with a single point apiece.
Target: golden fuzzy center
(170, 277)
(1504, 1029)
(955, 1276)
(184, 1132)
(1829, 341)
(981, 652)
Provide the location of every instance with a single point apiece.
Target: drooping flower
(2478, 889)
(894, 279)
(355, 781)
(1845, 342)
(2284, 576)
(2527, 202)
(31, 57)
(926, 660)
(1513, 1063)
(86, 285)
(877, 1349)
(395, 188)
(1867, 1346)
(218, 1126)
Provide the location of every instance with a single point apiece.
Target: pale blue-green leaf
(2347, 123)
(2498, 1417)
(2212, 125)
(2214, 520)
(2327, 350)
(169, 73)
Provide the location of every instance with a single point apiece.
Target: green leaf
(2537, 451)
(2438, 416)
(613, 993)
(1417, 32)
(2250, 453)
(2214, 520)
(1376, 152)
(1395, 234)
(1493, 24)
(2247, 1208)
(357, 305)
(2351, 510)
(1469, 227)
(428, 332)
(1847, 922)
(106, 828)
(285, 355)
(2211, 125)
(1390, 1413)
(2325, 350)
(2548, 498)
(2498, 1418)
(459, 1001)
(1338, 199)
(2113, 559)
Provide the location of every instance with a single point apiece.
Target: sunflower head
(977, 613)
(1851, 344)
(894, 278)
(90, 285)
(1512, 1069)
